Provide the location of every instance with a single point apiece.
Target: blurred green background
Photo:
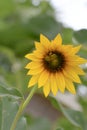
(21, 23)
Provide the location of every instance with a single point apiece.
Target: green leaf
(83, 51)
(6, 7)
(44, 24)
(81, 36)
(15, 38)
(7, 59)
(54, 102)
(9, 91)
(22, 124)
(40, 124)
(67, 35)
(9, 110)
(75, 117)
(66, 125)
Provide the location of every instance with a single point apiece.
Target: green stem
(16, 117)
(22, 107)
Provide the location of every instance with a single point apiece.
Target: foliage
(21, 22)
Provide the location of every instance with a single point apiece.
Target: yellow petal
(44, 41)
(81, 60)
(35, 71)
(33, 80)
(53, 46)
(53, 84)
(33, 65)
(70, 50)
(39, 54)
(60, 82)
(76, 69)
(43, 78)
(30, 56)
(58, 39)
(72, 75)
(76, 49)
(46, 89)
(76, 59)
(70, 86)
(39, 47)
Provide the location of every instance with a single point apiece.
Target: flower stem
(22, 107)
(16, 117)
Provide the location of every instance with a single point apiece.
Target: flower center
(54, 61)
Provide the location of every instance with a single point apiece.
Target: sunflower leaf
(75, 117)
(8, 109)
(9, 91)
(40, 124)
(81, 36)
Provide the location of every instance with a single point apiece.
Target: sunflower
(54, 66)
